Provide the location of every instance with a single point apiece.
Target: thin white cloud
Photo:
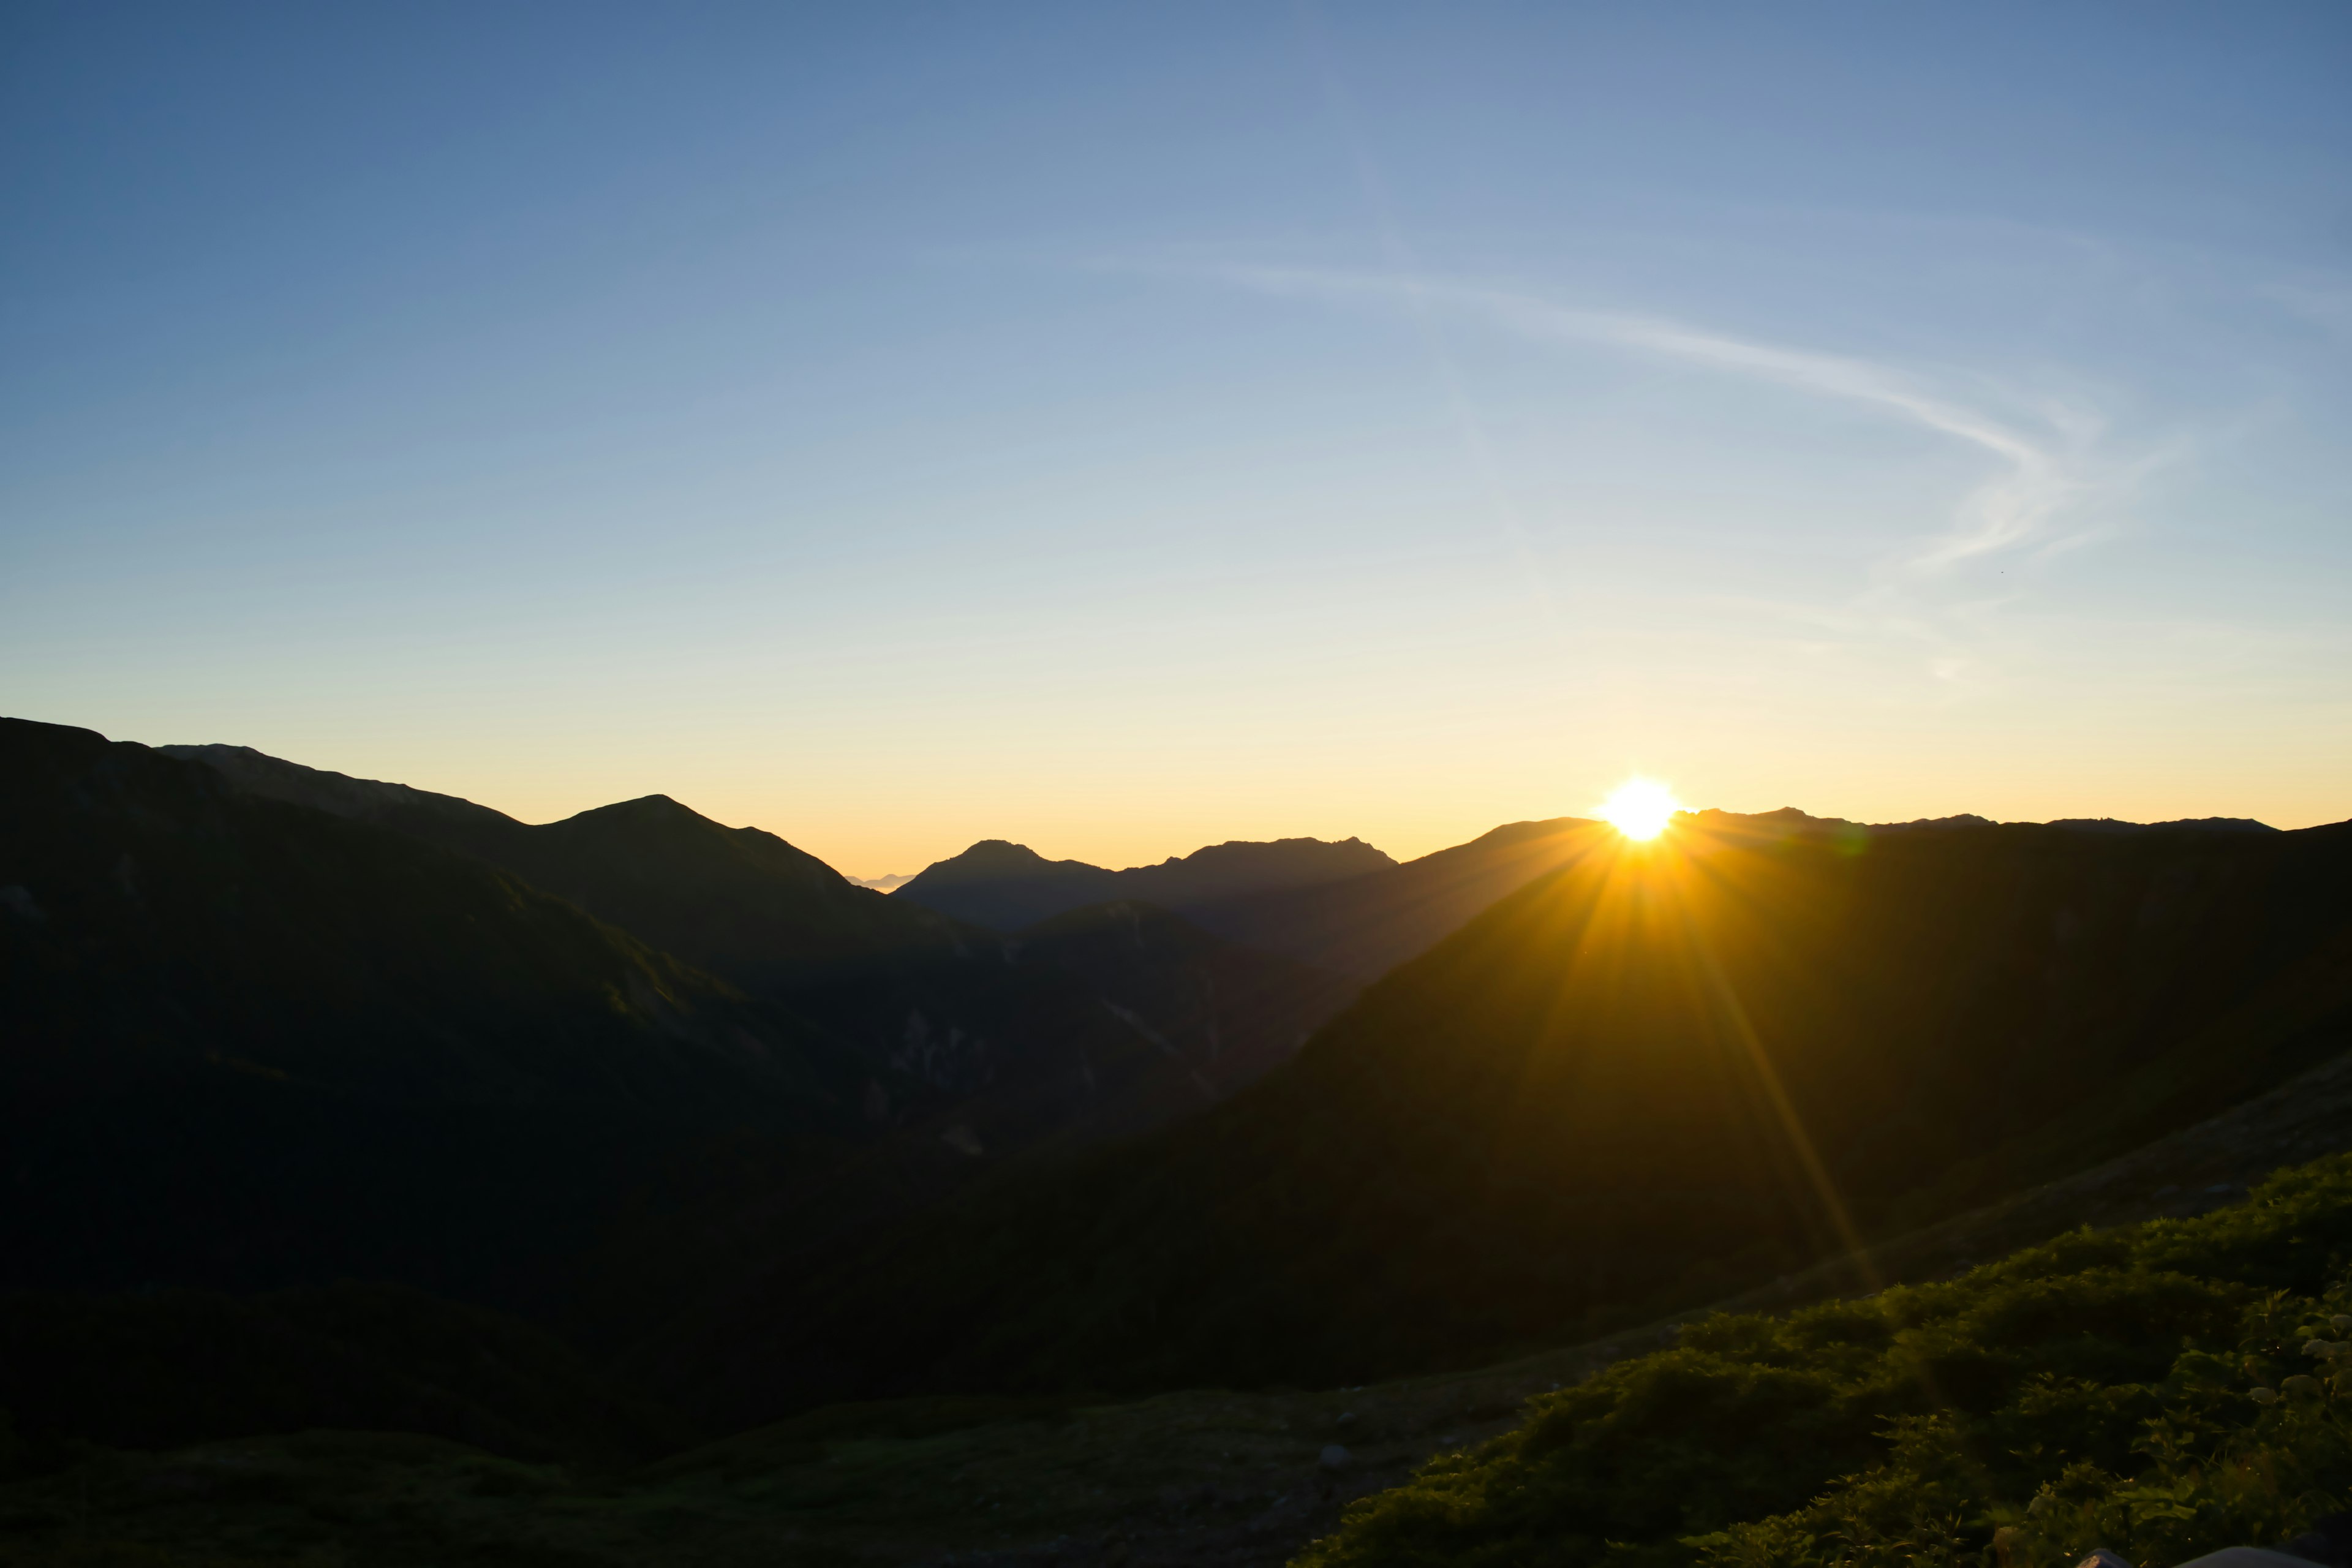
(2037, 478)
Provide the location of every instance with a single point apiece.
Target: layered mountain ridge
(1015, 1040)
(1008, 886)
(965, 1047)
(738, 900)
(252, 1044)
(272, 1028)
(1649, 1077)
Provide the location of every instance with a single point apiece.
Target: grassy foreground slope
(1639, 1084)
(1202, 1480)
(2164, 1390)
(165, 1369)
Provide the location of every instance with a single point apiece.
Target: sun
(1641, 809)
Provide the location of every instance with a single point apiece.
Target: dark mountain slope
(1006, 885)
(421, 814)
(157, 1369)
(1367, 924)
(1115, 1020)
(1011, 1041)
(1128, 1017)
(1652, 1077)
(1243, 869)
(735, 900)
(738, 900)
(1009, 886)
(247, 1044)
(1104, 1023)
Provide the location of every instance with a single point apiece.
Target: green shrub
(2145, 1389)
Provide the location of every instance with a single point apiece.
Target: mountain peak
(645, 807)
(1004, 852)
(1010, 885)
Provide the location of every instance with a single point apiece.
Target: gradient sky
(1123, 429)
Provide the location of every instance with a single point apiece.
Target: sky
(1123, 429)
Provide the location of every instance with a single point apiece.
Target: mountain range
(1345, 907)
(1009, 886)
(587, 1138)
(987, 1042)
(1651, 1077)
(737, 900)
(252, 1044)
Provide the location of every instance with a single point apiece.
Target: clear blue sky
(1123, 427)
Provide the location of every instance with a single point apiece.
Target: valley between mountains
(393, 1180)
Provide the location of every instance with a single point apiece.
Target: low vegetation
(2164, 1390)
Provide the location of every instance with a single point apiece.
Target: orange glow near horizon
(1639, 808)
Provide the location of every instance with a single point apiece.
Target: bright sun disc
(1641, 809)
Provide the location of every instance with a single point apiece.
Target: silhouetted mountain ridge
(1364, 925)
(973, 1044)
(1005, 886)
(1792, 818)
(737, 899)
(1628, 1087)
(395, 805)
(1008, 886)
(251, 1043)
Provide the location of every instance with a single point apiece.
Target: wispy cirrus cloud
(2041, 473)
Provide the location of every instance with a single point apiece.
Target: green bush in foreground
(2163, 1390)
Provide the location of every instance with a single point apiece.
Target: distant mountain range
(964, 1047)
(1648, 1078)
(1790, 819)
(758, 1137)
(1346, 908)
(1009, 886)
(1366, 925)
(265, 1028)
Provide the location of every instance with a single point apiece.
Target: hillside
(1212, 1476)
(158, 1369)
(737, 900)
(1243, 869)
(1008, 887)
(2127, 981)
(2164, 1390)
(1366, 925)
(987, 1043)
(1005, 886)
(1214, 1016)
(1114, 1021)
(1651, 1077)
(1344, 907)
(250, 1044)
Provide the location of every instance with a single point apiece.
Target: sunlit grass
(2163, 1390)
